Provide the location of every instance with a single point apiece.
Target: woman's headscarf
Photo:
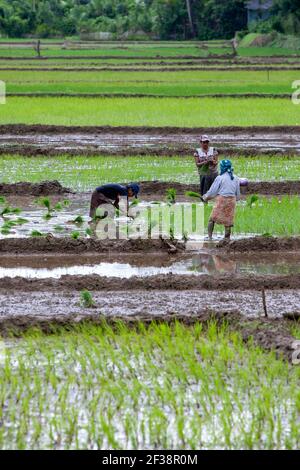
(226, 167)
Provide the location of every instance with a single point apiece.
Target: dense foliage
(164, 19)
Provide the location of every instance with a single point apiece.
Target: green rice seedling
(171, 196)
(75, 235)
(36, 233)
(59, 228)
(86, 299)
(7, 210)
(134, 203)
(251, 200)
(89, 232)
(190, 112)
(58, 206)
(21, 221)
(79, 220)
(193, 194)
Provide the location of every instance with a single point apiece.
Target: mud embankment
(159, 282)
(261, 244)
(150, 188)
(270, 335)
(35, 189)
(259, 187)
(165, 141)
(38, 94)
(51, 244)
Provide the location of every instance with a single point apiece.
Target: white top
(210, 153)
(224, 186)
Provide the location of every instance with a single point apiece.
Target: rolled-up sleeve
(214, 189)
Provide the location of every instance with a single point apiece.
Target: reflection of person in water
(212, 264)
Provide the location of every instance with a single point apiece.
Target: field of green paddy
(188, 112)
(175, 83)
(170, 387)
(83, 173)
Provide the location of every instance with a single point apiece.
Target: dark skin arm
(198, 162)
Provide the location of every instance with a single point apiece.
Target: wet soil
(154, 304)
(44, 188)
(261, 244)
(254, 187)
(51, 140)
(150, 189)
(63, 245)
(176, 282)
(51, 244)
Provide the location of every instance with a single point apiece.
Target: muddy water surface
(127, 266)
(116, 142)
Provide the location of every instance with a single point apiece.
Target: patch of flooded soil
(144, 265)
(40, 139)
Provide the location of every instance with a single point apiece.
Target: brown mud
(157, 304)
(50, 244)
(106, 140)
(270, 335)
(151, 189)
(35, 189)
(261, 244)
(157, 282)
(259, 187)
(147, 95)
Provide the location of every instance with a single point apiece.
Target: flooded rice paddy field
(68, 215)
(200, 376)
(84, 173)
(135, 140)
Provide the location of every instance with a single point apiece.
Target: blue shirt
(112, 190)
(224, 186)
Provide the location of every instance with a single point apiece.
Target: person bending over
(110, 194)
(226, 190)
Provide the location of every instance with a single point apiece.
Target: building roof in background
(259, 4)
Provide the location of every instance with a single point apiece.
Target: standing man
(206, 159)
(110, 194)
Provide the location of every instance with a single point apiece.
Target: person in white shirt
(206, 159)
(226, 190)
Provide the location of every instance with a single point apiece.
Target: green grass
(158, 388)
(176, 83)
(116, 51)
(268, 51)
(187, 112)
(83, 173)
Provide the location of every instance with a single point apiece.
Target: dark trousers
(206, 181)
(97, 200)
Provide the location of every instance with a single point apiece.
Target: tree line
(161, 19)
